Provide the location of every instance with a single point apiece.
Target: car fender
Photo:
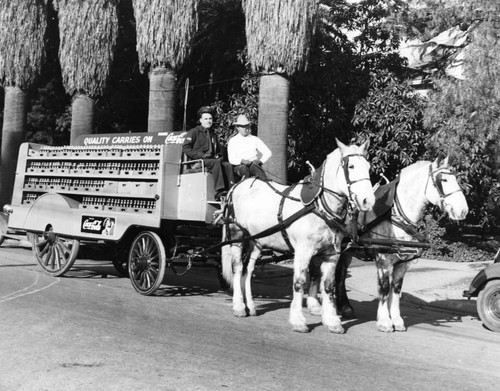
(490, 272)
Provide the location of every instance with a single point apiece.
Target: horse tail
(227, 258)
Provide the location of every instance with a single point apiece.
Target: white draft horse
(256, 206)
(419, 185)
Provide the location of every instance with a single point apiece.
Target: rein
(329, 216)
(402, 221)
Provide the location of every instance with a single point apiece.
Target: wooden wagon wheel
(147, 263)
(54, 253)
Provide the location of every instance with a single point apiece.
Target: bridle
(344, 164)
(436, 177)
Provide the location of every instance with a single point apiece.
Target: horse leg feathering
(329, 314)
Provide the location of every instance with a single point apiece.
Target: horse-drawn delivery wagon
(132, 192)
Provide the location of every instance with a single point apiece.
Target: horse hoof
(400, 328)
(336, 329)
(301, 329)
(240, 313)
(348, 313)
(252, 312)
(385, 329)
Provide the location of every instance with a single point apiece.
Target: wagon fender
(55, 209)
(491, 272)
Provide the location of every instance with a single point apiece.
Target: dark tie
(210, 145)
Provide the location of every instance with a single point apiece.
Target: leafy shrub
(445, 247)
(391, 117)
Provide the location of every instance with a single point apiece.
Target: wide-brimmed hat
(242, 120)
(205, 109)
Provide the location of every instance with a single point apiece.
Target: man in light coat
(247, 152)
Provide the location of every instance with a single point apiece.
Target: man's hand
(207, 155)
(246, 162)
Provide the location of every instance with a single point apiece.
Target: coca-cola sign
(131, 139)
(175, 138)
(98, 225)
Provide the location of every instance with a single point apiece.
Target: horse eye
(350, 166)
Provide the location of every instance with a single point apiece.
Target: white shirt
(247, 148)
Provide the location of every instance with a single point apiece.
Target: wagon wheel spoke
(43, 245)
(147, 263)
(53, 253)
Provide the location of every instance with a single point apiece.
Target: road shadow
(413, 314)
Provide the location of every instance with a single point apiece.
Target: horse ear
(445, 161)
(437, 162)
(364, 147)
(341, 145)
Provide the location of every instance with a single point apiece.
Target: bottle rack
(124, 179)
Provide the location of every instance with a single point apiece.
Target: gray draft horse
(257, 206)
(419, 185)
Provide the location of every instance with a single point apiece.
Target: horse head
(442, 189)
(347, 172)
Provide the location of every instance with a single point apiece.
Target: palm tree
(278, 34)
(165, 29)
(20, 64)
(87, 34)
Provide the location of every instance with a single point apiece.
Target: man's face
(206, 120)
(244, 130)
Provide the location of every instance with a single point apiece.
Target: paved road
(87, 332)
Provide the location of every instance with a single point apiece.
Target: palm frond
(279, 33)
(165, 29)
(22, 30)
(87, 34)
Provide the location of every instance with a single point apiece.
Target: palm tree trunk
(82, 116)
(14, 121)
(274, 92)
(161, 100)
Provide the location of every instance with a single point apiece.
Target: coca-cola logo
(175, 138)
(92, 225)
(98, 225)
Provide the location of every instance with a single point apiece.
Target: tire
(55, 254)
(119, 257)
(147, 263)
(488, 305)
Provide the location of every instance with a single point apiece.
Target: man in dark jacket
(202, 143)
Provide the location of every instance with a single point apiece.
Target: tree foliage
(464, 117)
(164, 31)
(324, 97)
(87, 36)
(391, 117)
(22, 28)
(279, 34)
(425, 19)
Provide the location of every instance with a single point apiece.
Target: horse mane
(415, 166)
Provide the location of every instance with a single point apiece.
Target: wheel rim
(147, 262)
(488, 305)
(53, 253)
(493, 305)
